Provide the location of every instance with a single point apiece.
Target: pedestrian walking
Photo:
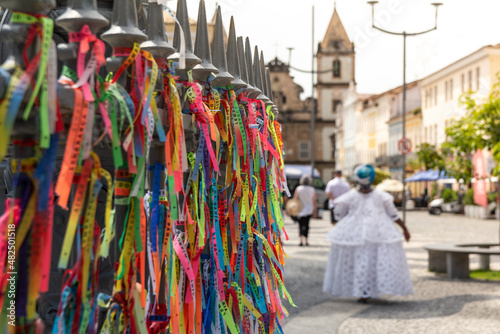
(366, 257)
(334, 189)
(306, 194)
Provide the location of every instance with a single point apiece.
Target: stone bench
(453, 259)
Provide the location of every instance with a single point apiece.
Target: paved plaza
(439, 305)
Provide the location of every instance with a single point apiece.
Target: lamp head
(372, 2)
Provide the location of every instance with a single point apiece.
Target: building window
(463, 82)
(283, 98)
(435, 134)
(336, 68)
(448, 93)
(478, 78)
(450, 86)
(371, 123)
(435, 95)
(304, 150)
(418, 135)
(383, 149)
(470, 80)
(372, 143)
(425, 135)
(336, 105)
(334, 148)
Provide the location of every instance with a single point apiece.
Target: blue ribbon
(155, 203)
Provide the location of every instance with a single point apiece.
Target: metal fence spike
(270, 91)
(265, 90)
(124, 31)
(243, 64)
(219, 53)
(202, 47)
(28, 6)
(233, 65)
(157, 44)
(250, 70)
(80, 13)
(258, 75)
(191, 59)
(248, 58)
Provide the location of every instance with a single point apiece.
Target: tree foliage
(469, 197)
(479, 128)
(430, 157)
(449, 195)
(413, 163)
(380, 176)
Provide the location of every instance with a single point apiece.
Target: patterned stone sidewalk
(439, 305)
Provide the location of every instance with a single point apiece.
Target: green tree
(413, 163)
(479, 128)
(430, 157)
(449, 195)
(380, 176)
(469, 197)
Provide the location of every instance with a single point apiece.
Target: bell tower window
(336, 68)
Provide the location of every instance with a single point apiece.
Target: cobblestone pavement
(439, 305)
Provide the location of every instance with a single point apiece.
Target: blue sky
(463, 27)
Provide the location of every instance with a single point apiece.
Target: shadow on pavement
(421, 309)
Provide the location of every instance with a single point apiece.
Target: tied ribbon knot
(87, 72)
(85, 38)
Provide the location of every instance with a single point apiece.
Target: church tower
(335, 63)
(335, 66)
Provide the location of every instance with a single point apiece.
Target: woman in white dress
(366, 257)
(306, 194)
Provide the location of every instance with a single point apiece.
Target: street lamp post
(313, 109)
(404, 34)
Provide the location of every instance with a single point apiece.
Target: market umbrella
(416, 177)
(391, 185)
(428, 175)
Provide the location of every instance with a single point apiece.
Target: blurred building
(441, 90)
(353, 128)
(372, 126)
(392, 162)
(294, 114)
(335, 66)
(349, 154)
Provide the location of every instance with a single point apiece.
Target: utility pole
(404, 34)
(313, 106)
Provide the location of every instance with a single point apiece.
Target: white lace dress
(366, 257)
